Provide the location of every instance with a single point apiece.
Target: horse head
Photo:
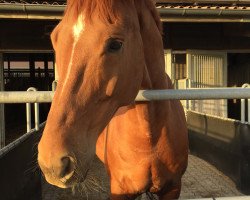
(101, 64)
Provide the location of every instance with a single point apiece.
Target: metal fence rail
(26, 97)
(194, 94)
(143, 95)
(243, 105)
(28, 113)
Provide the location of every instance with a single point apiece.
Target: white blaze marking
(78, 28)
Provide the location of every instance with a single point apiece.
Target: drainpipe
(31, 11)
(203, 11)
(55, 12)
(169, 14)
(204, 14)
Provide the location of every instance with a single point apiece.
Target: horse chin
(62, 183)
(74, 180)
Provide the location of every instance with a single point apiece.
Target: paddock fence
(143, 95)
(20, 176)
(225, 143)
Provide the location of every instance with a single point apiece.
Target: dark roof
(45, 2)
(170, 10)
(159, 2)
(206, 2)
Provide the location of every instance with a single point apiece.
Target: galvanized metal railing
(194, 94)
(33, 96)
(143, 95)
(28, 113)
(243, 106)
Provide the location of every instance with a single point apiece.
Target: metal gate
(200, 69)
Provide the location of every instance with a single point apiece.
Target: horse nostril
(68, 167)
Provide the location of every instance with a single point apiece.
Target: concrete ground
(201, 180)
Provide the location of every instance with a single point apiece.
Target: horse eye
(114, 46)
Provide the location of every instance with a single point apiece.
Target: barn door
(208, 70)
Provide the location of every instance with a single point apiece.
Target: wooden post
(2, 120)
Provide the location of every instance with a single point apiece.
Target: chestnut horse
(106, 51)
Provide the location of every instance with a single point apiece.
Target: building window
(208, 70)
(200, 69)
(180, 66)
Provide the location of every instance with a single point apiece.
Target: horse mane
(106, 9)
(155, 14)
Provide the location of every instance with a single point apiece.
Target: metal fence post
(54, 85)
(243, 106)
(37, 119)
(28, 117)
(248, 105)
(28, 113)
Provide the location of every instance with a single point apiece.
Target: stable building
(206, 45)
(206, 42)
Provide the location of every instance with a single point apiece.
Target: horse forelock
(107, 10)
(104, 9)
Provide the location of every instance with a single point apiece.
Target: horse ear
(155, 14)
(149, 5)
(150, 30)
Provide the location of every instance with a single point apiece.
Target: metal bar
(143, 95)
(243, 106)
(54, 84)
(242, 110)
(248, 105)
(37, 119)
(26, 97)
(194, 94)
(28, 112)
(55, 12)
(230, 2)
(31, 11)
(219, 12)
(28, 117)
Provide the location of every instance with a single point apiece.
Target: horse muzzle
(60, 173)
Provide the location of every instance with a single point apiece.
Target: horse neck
(154, 78)
(141, 121)
(154, 71)
(147, 114)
